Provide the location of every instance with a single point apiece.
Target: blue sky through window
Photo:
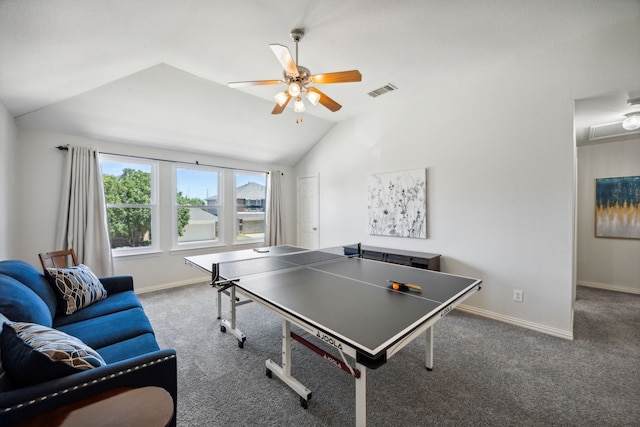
(116, 168)
(199, 184)
(192, 182)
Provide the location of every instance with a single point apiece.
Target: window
(205, 206)
(130, 193)
(250, 190)
(198, 206)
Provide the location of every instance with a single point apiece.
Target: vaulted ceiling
(155, 71)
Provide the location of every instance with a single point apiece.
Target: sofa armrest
(158, 368)
(116, 284)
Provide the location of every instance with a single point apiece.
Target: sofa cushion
(109, 329)
(34, 353)
(26, 273)
(20, 304)
(77, 286)
(112, 304)
(126, 349)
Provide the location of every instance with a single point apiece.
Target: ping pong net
(234, 270)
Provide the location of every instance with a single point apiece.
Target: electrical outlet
(518, 295)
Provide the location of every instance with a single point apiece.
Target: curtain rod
(66, 148)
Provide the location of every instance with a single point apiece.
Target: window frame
(153, 204)
(220, 241)
(236, 173)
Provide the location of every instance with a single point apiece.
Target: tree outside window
(130, 197)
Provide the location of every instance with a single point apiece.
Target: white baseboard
(608, 287)
(171, 285)
(518, 322)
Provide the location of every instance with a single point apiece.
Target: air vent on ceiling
(382, 90)
(609, 130)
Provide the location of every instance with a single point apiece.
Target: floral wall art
(397, 204)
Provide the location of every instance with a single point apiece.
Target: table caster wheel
(269, 374)
(304, 403)
(240, 344)
(223, 328)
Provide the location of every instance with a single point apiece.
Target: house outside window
(198, 207)
(130, 187)
(250, 199)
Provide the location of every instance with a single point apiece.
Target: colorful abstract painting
(397, 204)
(618, 207)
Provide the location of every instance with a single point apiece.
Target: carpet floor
(486, 373)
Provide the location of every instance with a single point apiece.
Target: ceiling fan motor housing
(297, 34)
(302, 77)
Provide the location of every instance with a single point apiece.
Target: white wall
(8, 141)
(39, 177)
(500, 156)
(606, 263)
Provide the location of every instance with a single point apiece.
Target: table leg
(286, 348)
(361, 396)
(233, 307)
(219, 303)
(231, 323)
(428, 341)
(284, 372)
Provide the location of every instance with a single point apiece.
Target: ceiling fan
(298, 80)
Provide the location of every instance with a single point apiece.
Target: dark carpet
(486, 373)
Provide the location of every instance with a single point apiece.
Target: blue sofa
(116, 327)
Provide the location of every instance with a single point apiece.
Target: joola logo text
(329, 340)
(445, 311)
(331, 359)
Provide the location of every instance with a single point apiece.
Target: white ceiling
(606, 111)
(155, 71)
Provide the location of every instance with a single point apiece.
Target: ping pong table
(347, 302)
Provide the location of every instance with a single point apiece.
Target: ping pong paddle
(399, 286)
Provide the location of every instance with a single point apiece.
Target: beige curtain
(82, 220)
(274, 232)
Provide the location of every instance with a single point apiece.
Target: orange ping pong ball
(396, 286)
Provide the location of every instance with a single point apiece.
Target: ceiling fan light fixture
(632, 122)
(298, 106)
(313, 97)
(281, 98)
(294, 89)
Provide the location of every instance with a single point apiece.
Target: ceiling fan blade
(278, 109)
(338, 77)
(254, 83)
(285, 58)
(325, 100)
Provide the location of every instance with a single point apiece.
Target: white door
(308, 212)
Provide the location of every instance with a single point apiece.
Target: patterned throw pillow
(34, 353)
(77, 286)
(5, 384)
